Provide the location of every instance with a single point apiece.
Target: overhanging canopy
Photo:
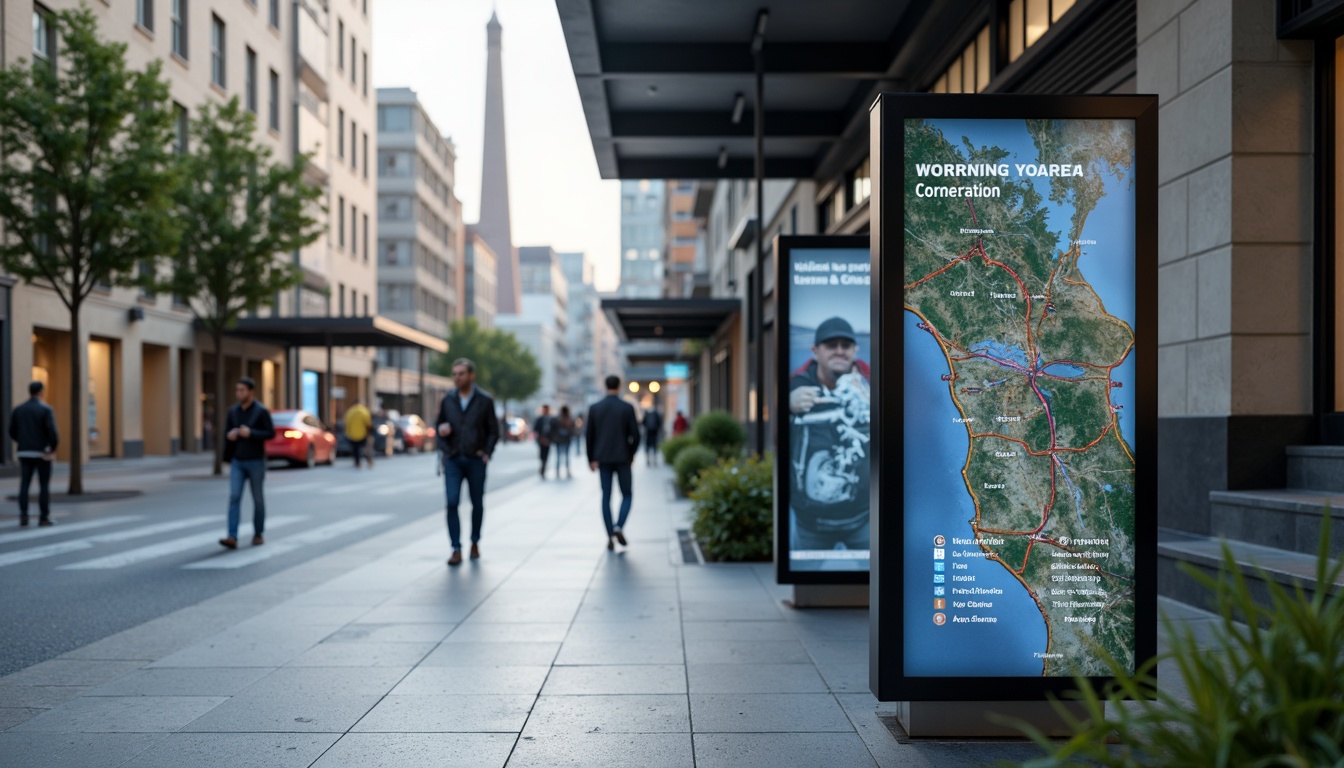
(668, 319)
(336, 332)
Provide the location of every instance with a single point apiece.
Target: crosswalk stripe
(293, 488)
(290, 544)
(87, 542)
(163, 549)
(63, 528)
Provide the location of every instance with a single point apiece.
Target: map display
(1019, 381)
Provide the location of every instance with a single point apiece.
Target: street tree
(516, 375)
(87, 175)
(466, 338)
(242, 215)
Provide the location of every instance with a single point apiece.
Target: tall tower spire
(494, 225)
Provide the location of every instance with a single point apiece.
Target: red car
(419, 436)
(300, 439)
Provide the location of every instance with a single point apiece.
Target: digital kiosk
(1014, 384)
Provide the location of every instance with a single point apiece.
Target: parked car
(515, 429)
(301, 439)
(417, 435)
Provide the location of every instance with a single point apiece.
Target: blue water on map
(936, 504)
(1001, 351)
(1064, 370)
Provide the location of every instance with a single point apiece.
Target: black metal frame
(887, 645)
(784, 247)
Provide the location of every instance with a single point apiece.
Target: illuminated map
(1004, 271)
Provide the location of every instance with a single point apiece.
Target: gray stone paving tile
(391, 633)
(122, 714)
(182, 681)
(322, 681)
(290, 712)
(837, 652)
(700, 631)
(491, 654)
(767, 713)
(73, 750)
(70, 672)
(604, 750)
(845, 678)
(746, 652)
(781, 750)
(737, 610)
(362, 655)
(472, 680)
(571, 715)
(755, 678)
(639, 610)
(526, 612)
(447, 714)
(417, 614)
(864, 710)
(399, 750)
(666, 652)
(616, 679)
(12, 716)
(255, 647)
(749, 594)
(235, 750)
(499, 632)
(40, 696)
(289, 614)
(625, 632)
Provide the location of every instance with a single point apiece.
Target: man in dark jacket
(246, 431)
(613, 440)
(468, 431)
(542, 428)
(653, 425)
(33, 427)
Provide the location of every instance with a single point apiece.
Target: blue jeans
(622, 472)
(561, 457)
(252, 471)
(455, 470)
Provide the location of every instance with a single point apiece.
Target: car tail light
(293, 434)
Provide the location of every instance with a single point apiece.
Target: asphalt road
(111, 565)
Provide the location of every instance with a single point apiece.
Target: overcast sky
(437, 48)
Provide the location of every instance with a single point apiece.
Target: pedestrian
(541, 430)
(562, 434)
(653, 424)
(33, 427)
(246, 430)
(358, 430)
(468, 431)
(680, 425)
(612, 441)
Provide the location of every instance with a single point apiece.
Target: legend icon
(939, 603)
(939, 553)
(939, 541)
(939, 619)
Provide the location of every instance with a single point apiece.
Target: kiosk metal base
(830, 596)
(971, 719)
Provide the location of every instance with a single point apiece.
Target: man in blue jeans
(612, 441)
(468, 432)
(247, 429)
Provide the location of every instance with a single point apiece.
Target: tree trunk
(221, 410)
(77, 405)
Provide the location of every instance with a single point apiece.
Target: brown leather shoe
(257, 540)
(456, 559)
(44, 522)
(228, 542)
(475, 551)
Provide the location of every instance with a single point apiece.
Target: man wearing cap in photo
(829, 408)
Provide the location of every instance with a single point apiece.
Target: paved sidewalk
(549, 651)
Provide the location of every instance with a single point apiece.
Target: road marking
(164, 548)
(76, 545)
(291, 488)
(290, 544)
(60, 528)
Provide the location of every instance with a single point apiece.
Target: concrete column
(1235, 269)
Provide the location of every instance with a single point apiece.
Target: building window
(394, 118)
(340, 222)
(340, 291)
(274, 106)
(340, 133)
(366, 154)
(366, 305)
(970, 71)
(251, 84)
(1028, 21)
(354, 231)
(275, 14)
(181, 128)
(340, 44)
(180, 28)
(352, 60)
(217, 43)
(144, 14)
(354, 150)
(861, 182)
(44, 35)
(366, 238)
(364, 60)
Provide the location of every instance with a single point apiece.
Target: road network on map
(1031, 352)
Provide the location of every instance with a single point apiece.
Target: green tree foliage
(242, 214)
(504, 367)
(733, 505)
(87, 176)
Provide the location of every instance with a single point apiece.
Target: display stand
(978, 719)
(830, 596)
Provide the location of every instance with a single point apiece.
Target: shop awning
(372, 331)
(668, 319)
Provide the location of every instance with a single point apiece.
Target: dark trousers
(545, 454)
(651, 445)
(43, 469)
(455, 470)
(622, 472)
(357, 447)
